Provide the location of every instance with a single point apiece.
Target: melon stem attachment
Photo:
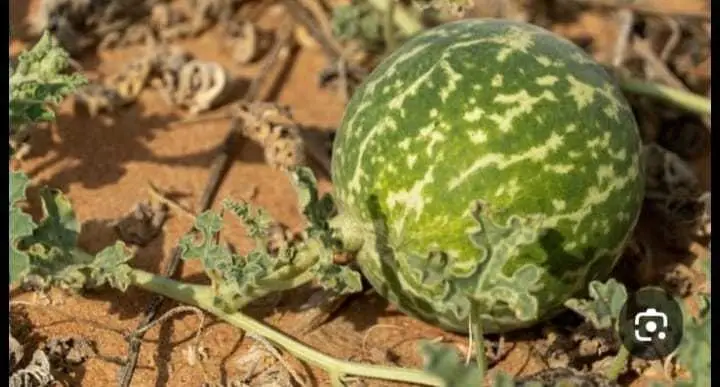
(682, 99)
(476, 332)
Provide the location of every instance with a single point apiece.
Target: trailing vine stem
(204, 297)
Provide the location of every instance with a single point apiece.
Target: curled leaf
(603, 309)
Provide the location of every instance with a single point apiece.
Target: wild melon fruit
(486, 171)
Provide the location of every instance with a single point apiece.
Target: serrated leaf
(603, 309)
(443, 361)
(56, 266)
(210, 253)
(38, 79)
(110, 266)
(256, 222)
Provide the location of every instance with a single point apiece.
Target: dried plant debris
(66, 353)
(130, 81)
(16, 352)
(87, 24)
(37, 373)
(682, 46)
(187, 82)
(582, 348)
(96, 99)
(142, 224)
(200, 85)
(685, 135)
(82, 24)
(260, 367)
(451, 8)
(245, 41)
(566, 377)
(673, 190)
(271, 126)
(279, 238)
(184, 82)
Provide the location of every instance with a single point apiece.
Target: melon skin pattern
(486, 171)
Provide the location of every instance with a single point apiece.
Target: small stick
(643, 49)
(157, 195)
(332, 49)
(625, 20)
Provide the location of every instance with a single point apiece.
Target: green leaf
(38, 79)
(361, 22)
(59, 226)
(257, 223)
(445, 362)
(502, 379)
(18, 184)
(109, 266)
(694, 351)
(339, 279)
(603, 309)
(210, 253)
(21, 226)
(317, 210)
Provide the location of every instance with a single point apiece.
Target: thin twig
(276, 354)
(672, 41)
(658, 67)
(322, 19)
(626, 19)
(157, 195)
(372, 328)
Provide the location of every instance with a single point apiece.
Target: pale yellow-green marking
(524, 104)
(582, 93)
(547, 80)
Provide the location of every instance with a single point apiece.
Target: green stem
(683, 99)
(477, 332)
(202, 296)
(618, 363)
(408, 23)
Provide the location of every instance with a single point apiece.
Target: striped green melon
(487, 170)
